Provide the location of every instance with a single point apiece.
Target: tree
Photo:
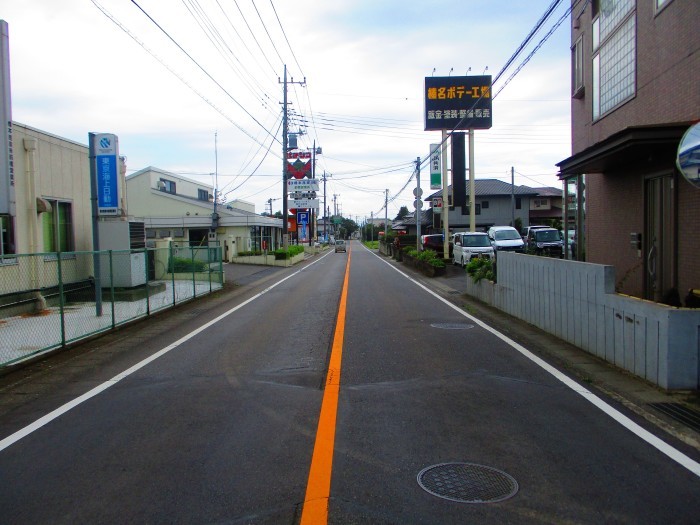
(403, 211)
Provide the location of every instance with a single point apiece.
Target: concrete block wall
(577, 302)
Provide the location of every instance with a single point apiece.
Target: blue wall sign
(106, 147)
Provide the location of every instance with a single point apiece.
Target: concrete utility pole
(285, 132)
(419, 209)
(325, 206)
(386, 214)
(512, 196)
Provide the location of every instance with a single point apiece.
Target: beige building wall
(49, 167)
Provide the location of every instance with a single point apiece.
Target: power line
(201, 68)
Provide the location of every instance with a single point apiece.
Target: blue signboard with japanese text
(106, 148)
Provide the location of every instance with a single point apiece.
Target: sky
(195, 87)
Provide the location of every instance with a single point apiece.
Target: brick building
(635, 93)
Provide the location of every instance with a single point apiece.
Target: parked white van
(506, 238)
(469, 245)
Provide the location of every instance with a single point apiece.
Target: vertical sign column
(106, 148)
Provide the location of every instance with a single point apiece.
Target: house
(177, 208)
(635, 93)
(408, 224)
(547, 206)
(497, 203)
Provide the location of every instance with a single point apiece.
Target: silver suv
(506, 238)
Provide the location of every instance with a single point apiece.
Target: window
(168, 186)
(477, 209)
(203, 195)
(485, 205)
(614, 63)
(577, 69)
(7, 246)
(518, 203)
(57, 226)
(660, 4)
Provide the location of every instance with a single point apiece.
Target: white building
(172, 206)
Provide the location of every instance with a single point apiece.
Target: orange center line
(318, 487)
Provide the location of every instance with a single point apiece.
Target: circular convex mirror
(688, 159)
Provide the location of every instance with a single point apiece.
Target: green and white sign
(435, 172)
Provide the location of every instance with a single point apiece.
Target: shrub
(184, 265)
(282, 254)
(436, 263)
(481, 268)
(427, 255)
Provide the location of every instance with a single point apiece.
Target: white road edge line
(673, 453)
(24, 432)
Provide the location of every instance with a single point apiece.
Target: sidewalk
(678, 413)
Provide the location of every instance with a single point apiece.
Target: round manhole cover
(467, 483)
(452, 326)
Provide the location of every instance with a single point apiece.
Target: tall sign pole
(472, 184)
(445, 199)
(458, 103)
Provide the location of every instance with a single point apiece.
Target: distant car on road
(506, 239)
(340, 246)
(471, 245)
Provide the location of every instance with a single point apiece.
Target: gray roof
(549, 191)
(426, 217)
(491, 188)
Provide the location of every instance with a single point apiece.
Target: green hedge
(184, 265)
(282, 254)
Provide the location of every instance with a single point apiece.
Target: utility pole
(512, 196)
(419, 209)
(386, 214)
(325, 207)
(285, 132)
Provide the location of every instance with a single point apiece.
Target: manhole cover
(452, 326)
(467, 483)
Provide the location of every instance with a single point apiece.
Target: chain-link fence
(48, 300)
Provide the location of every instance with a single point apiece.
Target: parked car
(471, 245)
(435, 242)
(545, 241)
(340, 246)
(528, 229)
(506, 238)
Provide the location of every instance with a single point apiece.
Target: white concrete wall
(577, 302)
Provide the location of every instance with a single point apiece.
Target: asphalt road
(210, 414)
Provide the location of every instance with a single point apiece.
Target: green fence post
(111, 285)
(61, 301)
(148, 295)
(194, 280)
(171, 262)
(209, 266)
